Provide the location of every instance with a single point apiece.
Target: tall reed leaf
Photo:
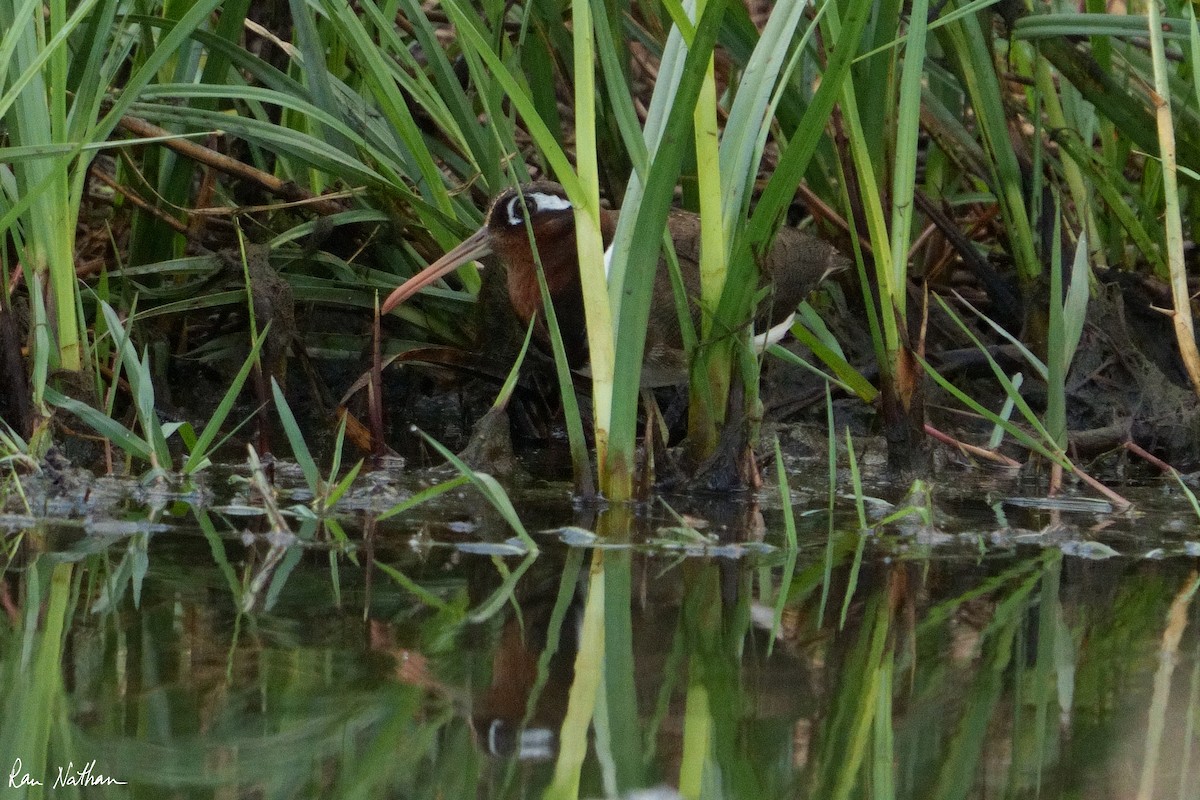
(904, 165)
(632, 269)
(1180, 293)
(590, 246)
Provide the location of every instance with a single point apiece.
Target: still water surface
(991, 650)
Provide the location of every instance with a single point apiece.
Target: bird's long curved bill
(474, 247)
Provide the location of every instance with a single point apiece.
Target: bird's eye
(536, 202)
(516, 211)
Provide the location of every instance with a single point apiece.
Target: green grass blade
(789, 531)
(409, 585)
(905, 167)
(295, 436)
(633, 268)
(831, 445)
(972, 58)
(107, 427)
(198, 454)
(423, 496)
(741, 146)
(860, 508)
(489, 488)
(376, 72)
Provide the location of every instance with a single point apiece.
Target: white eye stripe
(536, 201)
(548, 202)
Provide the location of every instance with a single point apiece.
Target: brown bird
(795, 265)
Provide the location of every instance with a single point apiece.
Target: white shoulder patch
(761, 341)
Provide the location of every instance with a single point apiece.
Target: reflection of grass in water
(35, 701)
(280, 699)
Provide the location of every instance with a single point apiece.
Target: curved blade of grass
(168, 92)
(377, 73)
(510, 381)
(1011, 428)
(813, 334)
(311, 150)
(856, 385)
(488, 487)
(295, 437)
(1038, 365)
(1009, 389)
(214, 300)
(141, 385)
(198, 454)
(408, 584)
(1074, 24)
(242, 60)
(423, 496)
(742, 137)
(107, 427)
(504, 592)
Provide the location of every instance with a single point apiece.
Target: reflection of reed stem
(581, 703)
(1156, 724)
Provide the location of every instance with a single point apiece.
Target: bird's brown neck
(557, 252)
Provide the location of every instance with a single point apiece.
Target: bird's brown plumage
(792, 268)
